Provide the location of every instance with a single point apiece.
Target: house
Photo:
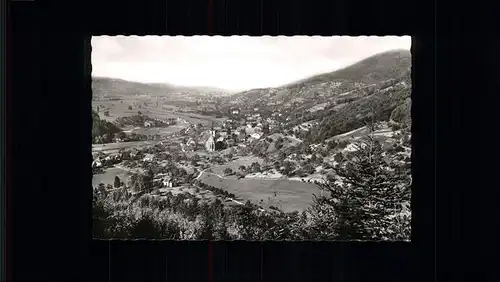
(242, 137)
(115, 156)
(235, 112)
(168, 182)
(148, 124)
(256, 136)
(249, 130)
(148, 158)
(97, 163)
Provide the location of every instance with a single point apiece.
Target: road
(122, 145)
(134, 144)
(127, 169)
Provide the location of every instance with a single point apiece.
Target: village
(179, 159)
(210, 161)
(176, 162)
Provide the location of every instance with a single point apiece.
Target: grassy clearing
(116, 109)
(108, 177)
(285, 194)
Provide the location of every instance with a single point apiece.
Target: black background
(47, 144)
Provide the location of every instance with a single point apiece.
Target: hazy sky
(233, 63)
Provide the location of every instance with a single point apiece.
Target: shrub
(228, 171)
(117, 182)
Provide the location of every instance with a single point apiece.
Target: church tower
(210, 144)
(212, 130)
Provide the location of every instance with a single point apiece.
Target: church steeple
(212, 131)
(210, 144)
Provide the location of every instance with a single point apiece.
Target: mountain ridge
(108, 86)
(357, 79)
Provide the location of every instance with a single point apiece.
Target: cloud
(234, 63)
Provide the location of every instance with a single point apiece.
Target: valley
(269, 150)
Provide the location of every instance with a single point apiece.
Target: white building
(97, 163)
(148, 158)
(256, 136)
(168, 182)
(210, 144)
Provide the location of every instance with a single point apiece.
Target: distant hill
(379, 67)
(377, 87)
(376, 69)
(392, 101)
(114, 87)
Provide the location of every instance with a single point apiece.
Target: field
(164, 111)
(108, 177)
(116, 109)
(120, 109)
(282, 193)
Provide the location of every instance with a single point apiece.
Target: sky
(234, 63)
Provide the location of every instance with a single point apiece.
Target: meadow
(285, 194)
(108, 177)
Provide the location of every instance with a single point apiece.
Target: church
(210, 144)
(213, 144)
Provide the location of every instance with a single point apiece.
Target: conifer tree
(366, 200)
(117, 182)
